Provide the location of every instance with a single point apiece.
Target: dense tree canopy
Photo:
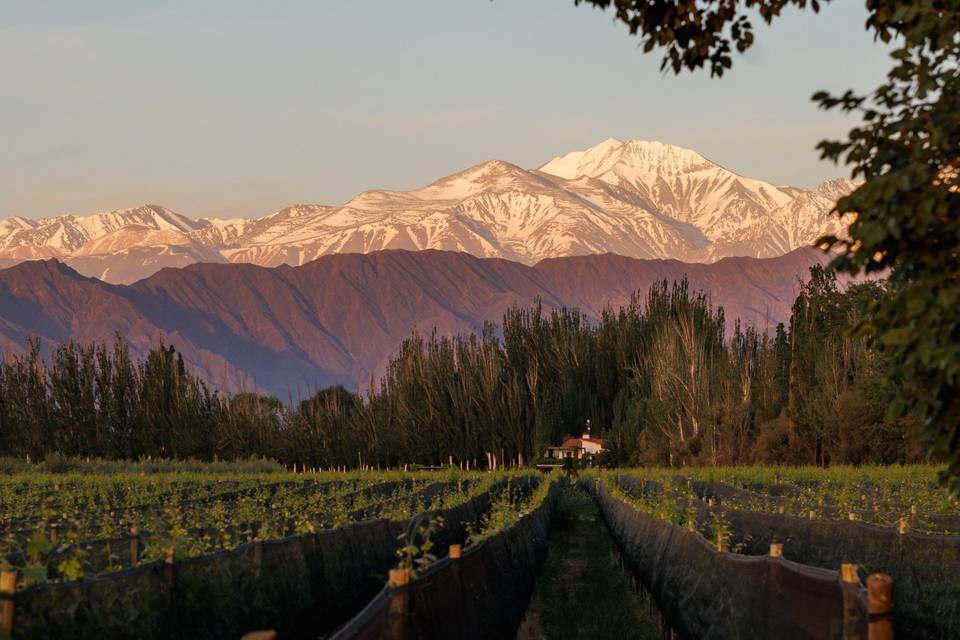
(660, 379)
(906, 213)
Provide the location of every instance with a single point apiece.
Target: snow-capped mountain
(738, 216)
(637, 199)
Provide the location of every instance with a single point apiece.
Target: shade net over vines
(303, 586)
(925, 568)
(708, 594)
(483, 595)
(117, 549)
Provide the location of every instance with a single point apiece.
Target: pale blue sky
(240, 107)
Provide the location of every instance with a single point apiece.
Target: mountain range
(637, 199)
(289, 330)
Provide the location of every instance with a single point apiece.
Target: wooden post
(780, 509)
(848, 573)
(455, 577)
(776, 549)
(721, 541)
(902, 526)
(851, 604)
(8, 585)
(880, 606)
(53, 533)
(168, 566)
(399, 605)
(134, 545)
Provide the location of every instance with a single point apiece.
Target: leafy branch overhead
(906, 214)
(696, 33)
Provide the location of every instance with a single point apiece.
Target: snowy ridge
(638, 199)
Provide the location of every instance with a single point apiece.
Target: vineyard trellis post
(454, 554)
(8, 586)
(168, 566)
(399, 607)
(880, 606)
(851, 604)
(134, 545)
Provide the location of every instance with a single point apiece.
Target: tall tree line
(659, 379)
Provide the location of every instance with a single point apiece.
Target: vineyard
(198, 553)
(678, 528)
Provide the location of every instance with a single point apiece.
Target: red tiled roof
(578, 442)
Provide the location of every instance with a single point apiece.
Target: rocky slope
(636, 199)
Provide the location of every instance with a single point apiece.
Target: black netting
(131, 603)
(482, 595)
(303, 586)
(925, 568)
(708, 594)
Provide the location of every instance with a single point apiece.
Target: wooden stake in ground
(776, 549)
(257, 555)
(880, 606)
(134, 546)
(168, 565)
(851, 603)
(8, 585)
(399, 605)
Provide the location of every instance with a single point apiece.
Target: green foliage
(697, 33)
(201, 513)
(508, 508)
(880, 496)
(906, 212)
(416, 550)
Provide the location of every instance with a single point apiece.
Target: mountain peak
(489, 175)
(16, 222)
(836, 188)
(649, 156)
(45, 268)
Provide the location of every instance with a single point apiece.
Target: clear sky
(240, 107)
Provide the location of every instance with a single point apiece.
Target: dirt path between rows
(581, 592)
